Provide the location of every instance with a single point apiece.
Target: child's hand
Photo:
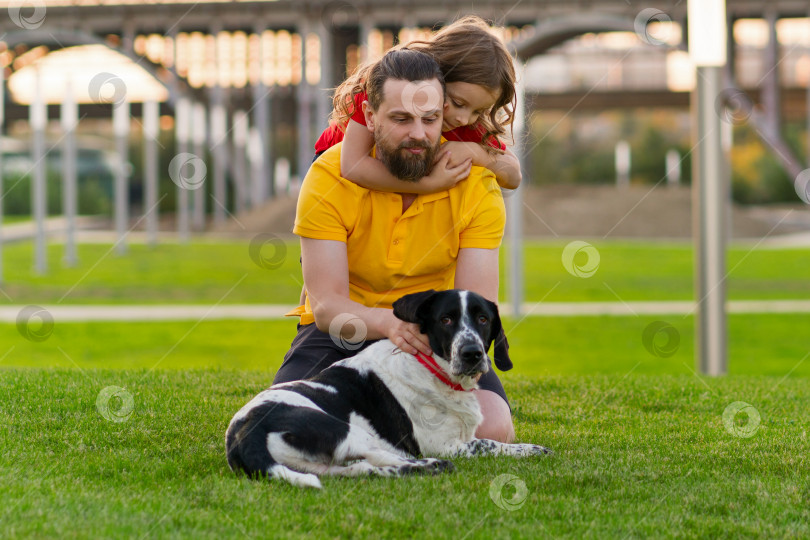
(461, 151)
(443, 175)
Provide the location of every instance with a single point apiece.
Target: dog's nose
(471, 354)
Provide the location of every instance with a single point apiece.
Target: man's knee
(497, 424)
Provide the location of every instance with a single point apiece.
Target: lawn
(267, 270)
(117, 429)
(14, 218)
(762, 344)
(636, 456)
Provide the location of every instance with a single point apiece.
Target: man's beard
(402, 163)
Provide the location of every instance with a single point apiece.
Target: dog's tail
(246, 448)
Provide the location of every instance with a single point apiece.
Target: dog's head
(461, 326)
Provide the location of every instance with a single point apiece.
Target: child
(480, 101)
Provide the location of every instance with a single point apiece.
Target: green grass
(641, 446)
(225, 272)
(767, 344)
(11, 219)
(636, 456)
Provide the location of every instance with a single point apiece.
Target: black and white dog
(375, 412)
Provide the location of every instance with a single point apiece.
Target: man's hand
(406, 335)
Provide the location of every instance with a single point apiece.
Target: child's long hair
(466, 51)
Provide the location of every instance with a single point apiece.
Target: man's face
(407, 126)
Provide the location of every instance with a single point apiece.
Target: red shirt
(333, 134)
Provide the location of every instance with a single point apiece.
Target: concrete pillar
(240, 131)
(673, 168)
(324, 94)
(151, 131)
(70, 119)
(199, 131)
(366, 27)
(38, 118)
(219, 134)
(304, 97)
(182, 131)
(262, 150)
(121, 123)
(770, 85)
(622, 160)
(2, 130)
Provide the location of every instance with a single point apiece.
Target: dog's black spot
(367, 396)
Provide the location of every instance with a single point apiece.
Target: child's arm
(358, 166)
(506, 165)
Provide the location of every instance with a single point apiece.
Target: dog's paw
(428, 466)
(526, 450)
(441, 465)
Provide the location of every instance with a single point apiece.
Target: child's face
(465, 103)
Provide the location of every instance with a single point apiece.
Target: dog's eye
(482, 320)
(446, 321)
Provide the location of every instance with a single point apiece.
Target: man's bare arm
(326, 278)
(477, 271)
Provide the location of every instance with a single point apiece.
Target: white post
(282, 176)
(38, 119)
(622, 157)
(261, 147)
(121, 189)
(304, 119)
(219, 138)
(70, 118)
(151, 131)
(258, 182)
(240, 135)
(707, 48)
(673, 168)
(199, 133)
(182, 132)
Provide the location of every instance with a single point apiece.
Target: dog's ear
(501, 351)
(410, 307)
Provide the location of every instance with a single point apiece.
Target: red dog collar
(434, 368)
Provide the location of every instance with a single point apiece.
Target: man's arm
(477, 271)
(326, 278)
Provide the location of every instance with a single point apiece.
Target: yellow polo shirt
(391, 253)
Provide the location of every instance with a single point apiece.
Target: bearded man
(362, 249)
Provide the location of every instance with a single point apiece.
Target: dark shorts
(312, 351)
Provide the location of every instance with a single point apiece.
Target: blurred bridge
(248, 81)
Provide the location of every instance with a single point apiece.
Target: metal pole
(69, 180)
(708, 49)
(151, 131)
(38, 118)
(711, 193)
(121, 191)
(514, 211)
